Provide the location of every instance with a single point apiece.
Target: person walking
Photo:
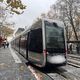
(3, 44)
(71, 49)
(7, 44)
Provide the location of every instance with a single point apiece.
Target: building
(19, 30)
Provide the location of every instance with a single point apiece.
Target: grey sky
(33, 10)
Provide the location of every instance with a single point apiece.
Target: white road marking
(16, 58)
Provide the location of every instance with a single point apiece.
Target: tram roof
(38, 23)
(59, 23)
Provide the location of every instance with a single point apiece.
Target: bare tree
(69, 12)
(15, 6)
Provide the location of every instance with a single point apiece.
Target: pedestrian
(70, 48)
(77, 48)
(7, 44)
(4, 45)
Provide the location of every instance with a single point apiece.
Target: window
(35, 40)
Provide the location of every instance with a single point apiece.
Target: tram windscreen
(54, 38)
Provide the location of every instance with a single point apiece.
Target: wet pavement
(9, 70)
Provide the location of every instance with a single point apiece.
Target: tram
(44, 43)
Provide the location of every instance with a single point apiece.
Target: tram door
(35, 47)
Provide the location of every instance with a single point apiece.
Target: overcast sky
(33, 10)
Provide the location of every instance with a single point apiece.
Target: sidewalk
(9, 70)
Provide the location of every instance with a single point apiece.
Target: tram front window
(55, 39)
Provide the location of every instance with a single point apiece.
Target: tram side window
(23, 41)
(35, 41)
(17, 42)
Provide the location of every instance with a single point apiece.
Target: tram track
(55, 74)
(46, 74)
(74, 60)
(39, 73)
(61, 75)
(75, 57)
(70, 62)
(67, 75)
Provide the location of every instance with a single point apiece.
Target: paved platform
(10, 70)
